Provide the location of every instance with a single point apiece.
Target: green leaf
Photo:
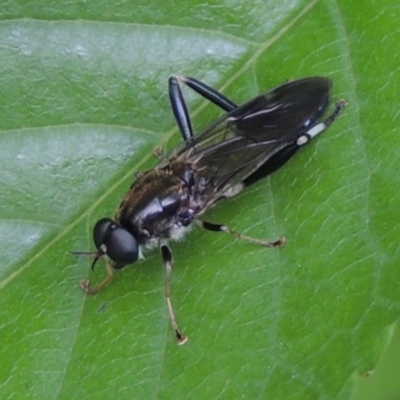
(84, 102)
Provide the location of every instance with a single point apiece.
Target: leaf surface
(84, 102)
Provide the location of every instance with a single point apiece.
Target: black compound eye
(122, 247)
(100, 231)
(115, 241)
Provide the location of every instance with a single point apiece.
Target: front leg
(85, 284)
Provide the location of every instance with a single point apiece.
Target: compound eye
(115, 241)
(100, 231)
(122, 247)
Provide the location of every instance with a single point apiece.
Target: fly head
(116, 242)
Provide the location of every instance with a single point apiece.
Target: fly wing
(237, 144)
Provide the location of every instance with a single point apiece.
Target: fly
(247, 143)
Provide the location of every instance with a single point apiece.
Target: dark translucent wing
(233, 147)
(274, 114)
(282, 112)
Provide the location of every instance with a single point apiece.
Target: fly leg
(223, 228)
(287, 151)
(322, 126)
(207, 92)
(179, 105)
(85, 284)
(167, 258)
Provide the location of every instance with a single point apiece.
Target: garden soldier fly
(246, 144)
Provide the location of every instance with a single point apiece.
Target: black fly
(247, 143)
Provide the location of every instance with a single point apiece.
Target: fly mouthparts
(96, 254)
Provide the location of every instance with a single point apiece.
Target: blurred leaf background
(83, 104)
